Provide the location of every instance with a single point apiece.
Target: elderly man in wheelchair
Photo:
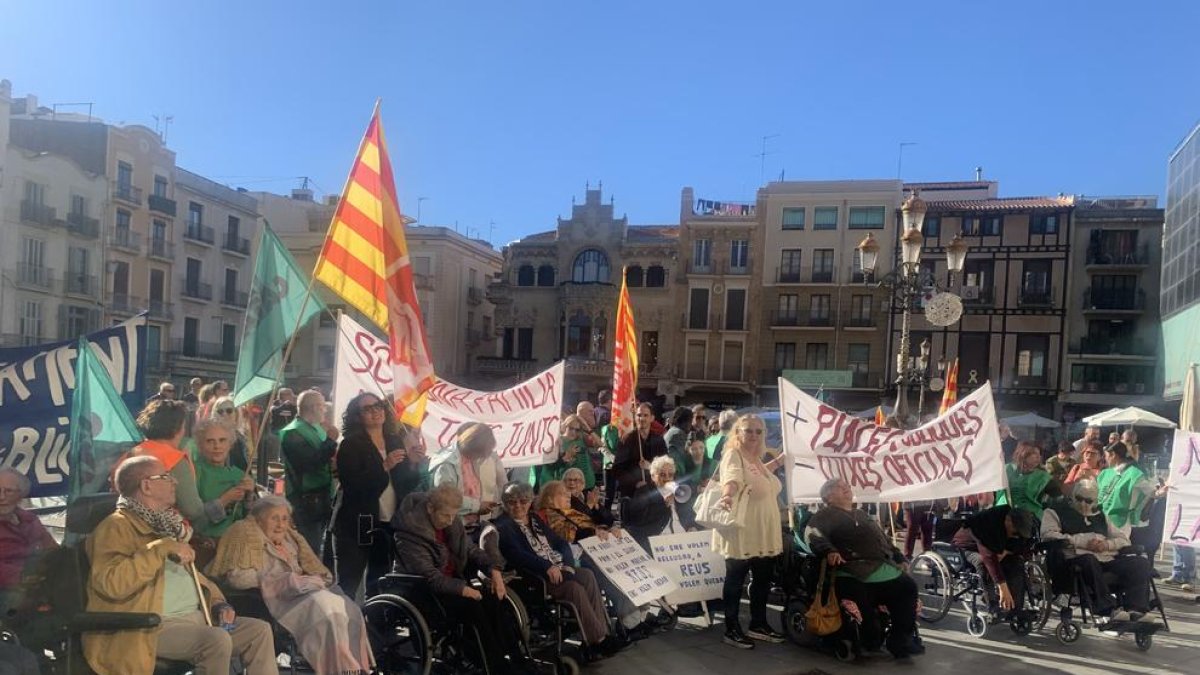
(1114, 581)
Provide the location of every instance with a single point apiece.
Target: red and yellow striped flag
(880, 418)
(950, 393)
(365, 261)
(625, 364)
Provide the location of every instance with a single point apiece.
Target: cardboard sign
(1183, 499)
(525, 418)
(629, 567)
(954, 455)
(692, 564)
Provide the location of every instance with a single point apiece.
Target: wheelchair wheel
(1038, 594)
(1144, 641)
(844, 651)
(567, 666)
(977, 625)
(520, 614)
(934, 585)
(1021, 624)
(1067, 632)
(399, 636)
(794, 625)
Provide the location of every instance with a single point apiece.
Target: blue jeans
(1184, 568)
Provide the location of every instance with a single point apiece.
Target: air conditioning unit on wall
(970, 292)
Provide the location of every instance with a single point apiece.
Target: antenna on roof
(978, 174)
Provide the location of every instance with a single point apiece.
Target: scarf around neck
(167, 523)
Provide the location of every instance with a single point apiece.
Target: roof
(949, 185)
(638, 234)
(1004, 204)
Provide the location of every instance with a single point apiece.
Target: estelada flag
(625, 364)
(950, 394)
(365, 261)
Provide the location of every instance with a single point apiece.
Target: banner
(954, 455)
(1183, 499)
(629, 567)
(525, 418)
(36, 391)
(692, 564)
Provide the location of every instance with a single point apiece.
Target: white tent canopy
(1129, 417)
(1030, 420)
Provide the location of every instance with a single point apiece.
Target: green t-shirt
(179, 591)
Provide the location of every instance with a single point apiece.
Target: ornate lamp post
(907, 284)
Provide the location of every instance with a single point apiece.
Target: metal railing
(803, 319)
(161, 204)
(1113, 346)
(474, 295)
(80, 225)
(38, 276)
(787, 275)
(161, 248)
(235, 298)
(1036, 296)
(1120, 299)
(82, 284)
(195, 349)
(235, 244)
(200, 233)
(33, 212)
(979, 296)
(1102, 255)
(128, 193)
(123, 237)
(861, 322)
(123, 303)
(700, 268)
(197, 290)
(161, 309)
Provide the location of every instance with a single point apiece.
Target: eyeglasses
(1085, 500)
(572, 480)
(576, 429)
(224, 411)
(518, 500)
(755, 432)
(378, 406)
(161, 476)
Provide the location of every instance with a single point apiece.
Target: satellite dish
(937, 384)
(943, 309)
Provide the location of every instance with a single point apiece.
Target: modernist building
(556, 298)
(1180, 294)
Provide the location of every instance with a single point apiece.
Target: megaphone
(682, 492)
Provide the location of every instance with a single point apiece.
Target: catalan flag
(950, 394)
(625, 364)
(365, 261)
(880, 418)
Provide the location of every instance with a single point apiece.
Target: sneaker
(735, 638)
(1120, 616)
(1173, 581)
(765, 634)
(1186, 588)
(1148, 617)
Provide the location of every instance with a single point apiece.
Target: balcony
(1109, 387)
(125, 239)
(123, 303)
(82, 226)
(235, 244)
(802, 319)
(700, 267)
(161, 249)
(787, 275)
(1036, 296)
(37, 214)
(505, 366)
(978, 296)
(199, 234)
(1110, 258)
(161, 205)
(1120, 346)
(822, 276)
(82, 284)
(37, 277)
(474, 295)
(194, 349)
(855, 275)
(861, 322)
(162, 310)
(423, 282)
(196, 290)
(235, 298)
(740, 268)
(128, 193)
(768, 377)
(1109, 300)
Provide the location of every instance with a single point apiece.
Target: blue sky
(502, 111)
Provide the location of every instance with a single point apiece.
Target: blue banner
(36, 387)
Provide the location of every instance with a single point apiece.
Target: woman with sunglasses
(226, 413)
(573, 454)
(752, 547)
(1090, 464)
(371, 447)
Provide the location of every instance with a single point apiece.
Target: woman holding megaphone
(661, 506)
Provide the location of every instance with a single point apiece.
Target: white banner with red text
(954, 455)
(692, 564)
(629, 567)
(1183, 497)
(525, 418)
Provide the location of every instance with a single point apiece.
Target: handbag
(709, 513)
(824, 615)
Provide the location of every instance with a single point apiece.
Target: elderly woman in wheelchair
(1091, 557)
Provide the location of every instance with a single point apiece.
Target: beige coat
(128, 562)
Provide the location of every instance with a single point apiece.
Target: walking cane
(200, 593)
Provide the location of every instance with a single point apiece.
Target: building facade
(1180, 295)
(556, 299)
(1113, 321)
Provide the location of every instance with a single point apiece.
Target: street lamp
(907, 284)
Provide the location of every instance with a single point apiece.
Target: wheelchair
(946, 577)
(1070, 594)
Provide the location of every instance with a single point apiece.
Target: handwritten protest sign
(954, 455)
(37, 385)
(1183, 499)
(525, 418)
(691, 563)
(629, 567)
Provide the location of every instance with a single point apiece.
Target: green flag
(102, 429)
(278, 307)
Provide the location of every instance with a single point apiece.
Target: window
(1112, 247)
(123, 220)
(153, 345)
(229, 346)
(35, 193)
(591, 267)
(120, 278)
(858, 359)
(785, 356)
(191, 336)
(545, 276)
(1035, 277)
(1043, 224)
(698, 309)
(695, 359)
(579, 335)
(78, 272)
(325, 358)
(731, 362)
(35, 252)
(648, 356)
(635, 276)
(421, 264)
(816, 356)
(825, 218)
(472, 278)
(984, 226)
(506, 343)
(822, 265)
(231, 285)
(233, 227)
(525, 275)
(977, 273)
(788, 307)
(739, 256)
(525, 343)
(158, 231)
(1031, 356)
(793, 219)
(78, 205)
(702, 256)
(158, 285)
(932, 226)
(656, 277)
(195, 215)
(867, 217)
(79, 320)
(974, 350)
(856, 270)
(160, 186)
(860, 311)
(819, 310)
(31, 322)
(735, 309)
(124, 176)
(193, 272)
(789, 265)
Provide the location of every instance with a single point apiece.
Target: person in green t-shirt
(307, 445)
(223, 488)
(1060, 465)
(1027, 480)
